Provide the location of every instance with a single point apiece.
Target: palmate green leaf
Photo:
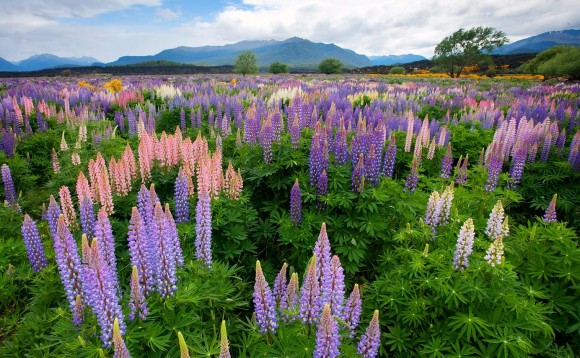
(435, 348)
(398, 339)
(461, 350)
(468, 326)
(510, 343)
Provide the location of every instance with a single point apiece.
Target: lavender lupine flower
(294, 130)
(104, 232)
(368, 347)
(174, 236)
(145, 205)
(390, 157)
(280, 284)
(33, 244)
(266, 138)
(87, 215)
(493, 170)
(352, 310)
(317, 159)
(496, 225)
(464, 245)
(494, 255)
(137, 301)
(546, 146)
(446, 163)
(310, 295)
(181, 198)
(289, 303)
(357, 181)
(140, 249)
(69, 267)
(224, 343)
(165, 278)
(9, 190)
(296, 204)
(203, 228)
(517, 168)
(121, 350)
(433, 212)
(182, 122)
(550, 214)
(101, 293)
(52, 215)
(461, 177)
(264, 305)
(333, 287)
(340, 147)
(373, 165)
(321, 189)
(412, 178)
(322, 253)
(327, 337)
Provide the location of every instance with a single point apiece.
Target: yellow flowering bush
(114, 85)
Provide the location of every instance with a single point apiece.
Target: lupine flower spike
(33, 244)
(327, 337)
(310, 296)
(121, 350)
(494, 255)
(264, 305)
(352, 310)
(295, 204)
(183, 350)
(289, 303)
(368, 347)
(280, 284)
(464, 245)
(137, 300)
(9, 190)
(224, 344)
(550, 214)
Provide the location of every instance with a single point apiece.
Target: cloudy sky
(108, 29)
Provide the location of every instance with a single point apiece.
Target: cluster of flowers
(319, 302)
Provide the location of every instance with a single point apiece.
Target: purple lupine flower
(550, 214)
(496, 225)
(322, 253)
(295, 204)
(446, 163)
(174, 236)
(357, 182)
(121, 350)
(574, 149)
(561, 141)
(137, 301)
(333, 287)
(461, 177)
(464, 245)
(266, 138)
(145, 206)
(290, 301)
(101, 292)
(373, 165)
(433, 212)
(412, 178)
(203, 228)
(165, 278)
(280, 284)
(52, 215)
(87, 215)
(494, 255)
(368, 347)
(493, 169)
(546, 146)
(327, 337)
(295, 132)
(140, 249)
(264, 305)
(33, 244)
(340, 147)
(321, 189)
(390, 158)
(69, 267)
(181, 198)
(9, 190)
(310, 295)
(517, 168)
(318, 157)
(104, 232)
(182, 123)
(352, 310)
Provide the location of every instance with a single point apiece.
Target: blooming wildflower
(121, 350)
(33, 244)
(295, 204)
(137, 301)
(289, 302)
(464, 245)
(264, 305)
(550, 214)
(333, 286)
(494, 255)
(224, 344)
(280, 284)
(310, 295)
(368, 347)
(352, 310)
(327, 337)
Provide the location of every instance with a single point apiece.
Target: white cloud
(372, 27)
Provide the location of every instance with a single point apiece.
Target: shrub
(278, 67)
(329, 66)
(397, 70)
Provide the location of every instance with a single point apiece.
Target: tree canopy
(330, 65)
(465, 48)
(246, 63)
(558, 61)
(278, 67)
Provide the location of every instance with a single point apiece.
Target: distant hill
(395, 59)
(296, 52)
(7, 65)
(541, 42)
(39, 62)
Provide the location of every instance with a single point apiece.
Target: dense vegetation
(436, 198)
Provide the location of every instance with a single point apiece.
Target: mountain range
(295, 51)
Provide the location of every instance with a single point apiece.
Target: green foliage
(465, 47)
(330, 66)
(558, 61)
(397, 70)
(246, 63)
(278, 67)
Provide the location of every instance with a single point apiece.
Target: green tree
(558, 61)
(466, 47)
(330, 65)
(278, 67)
(246, 63)
(397, 70)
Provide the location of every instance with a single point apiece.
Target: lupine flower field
(291, 216)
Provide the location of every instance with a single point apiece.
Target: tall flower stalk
(264, 304)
